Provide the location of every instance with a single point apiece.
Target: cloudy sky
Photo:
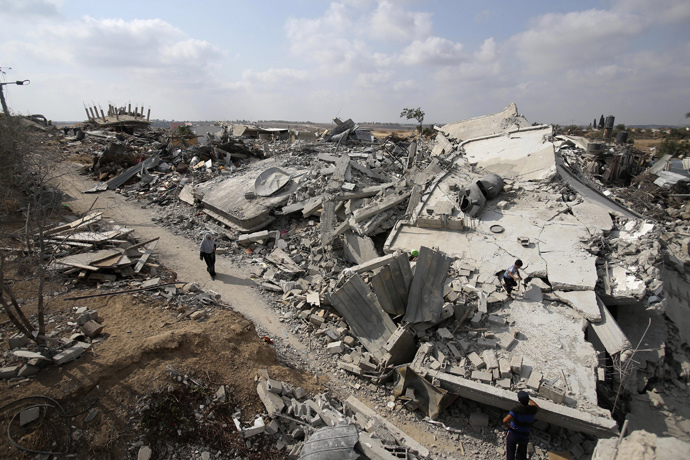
(559, 60)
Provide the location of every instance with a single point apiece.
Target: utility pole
(5, 110)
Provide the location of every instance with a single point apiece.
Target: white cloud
(390, 22)
(657, 11)
(147, 46)
(406, 85)
(432, 51)
(371, 80)
(272, 77)
(560, 41)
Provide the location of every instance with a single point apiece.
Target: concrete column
(148, 115)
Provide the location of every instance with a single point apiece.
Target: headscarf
(208, 243)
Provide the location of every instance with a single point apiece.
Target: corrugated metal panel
(392, 285)
(362, 311)
(426, 291)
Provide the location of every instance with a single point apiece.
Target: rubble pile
(387, 258)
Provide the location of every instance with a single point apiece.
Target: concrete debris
(309, 215)
(641, 445)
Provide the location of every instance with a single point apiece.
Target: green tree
(417, 114)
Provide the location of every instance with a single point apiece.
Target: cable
(60, 412)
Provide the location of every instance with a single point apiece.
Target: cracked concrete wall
(676, 276)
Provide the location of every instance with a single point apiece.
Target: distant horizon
(410, 125)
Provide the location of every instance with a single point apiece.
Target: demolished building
(390, 254)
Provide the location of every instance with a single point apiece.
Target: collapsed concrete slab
(392, 285)
(597, 425)
(365, 415)
(485, 125)
(226, 200)
(641, 445)
(584, 302)
(362, 311)
(359, 249)
(426, 290)
(524, 154)
(609, 333)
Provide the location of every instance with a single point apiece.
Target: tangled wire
(46, 408)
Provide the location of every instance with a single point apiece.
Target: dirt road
(179, 254)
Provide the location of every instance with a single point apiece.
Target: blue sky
(560, 61)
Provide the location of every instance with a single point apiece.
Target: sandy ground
(177, 253)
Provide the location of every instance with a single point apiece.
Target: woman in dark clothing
(207, 253)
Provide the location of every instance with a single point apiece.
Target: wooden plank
(145, 257)
(86, 220)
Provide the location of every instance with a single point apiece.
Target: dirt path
(179, 254)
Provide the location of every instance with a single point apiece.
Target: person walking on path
(519, 421)
(207, 253)
(511, 277)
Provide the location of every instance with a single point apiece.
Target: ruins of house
(391, 254)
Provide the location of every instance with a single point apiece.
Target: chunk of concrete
(534, 380)
(9, 372)
(486, 377)
(144, 453)
(335, 348)
(489, 357)
(274, 404)
(476, 361)
(584, 302)
(274, 386)
(400, 346)
(516, 365)
(29, 415)
(551, 392)
(68, 355)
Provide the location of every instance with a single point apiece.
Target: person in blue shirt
(519, 421)
(511, 277)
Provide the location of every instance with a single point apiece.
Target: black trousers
(516, 446)
(210, 259)
(510, 283)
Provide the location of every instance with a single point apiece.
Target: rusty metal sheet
(363, 313)
(392, 285)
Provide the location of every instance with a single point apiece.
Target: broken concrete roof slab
(359, 249)
(331, 443)
(571, 271)
(525, 154)
(485, 125)
(550, 412)
(270, 181)
(392, 284)
(362, 311)
(553, 344)
(584, 302)
(609, 332)
(593, 216)
(426, 290)
(225, 200)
